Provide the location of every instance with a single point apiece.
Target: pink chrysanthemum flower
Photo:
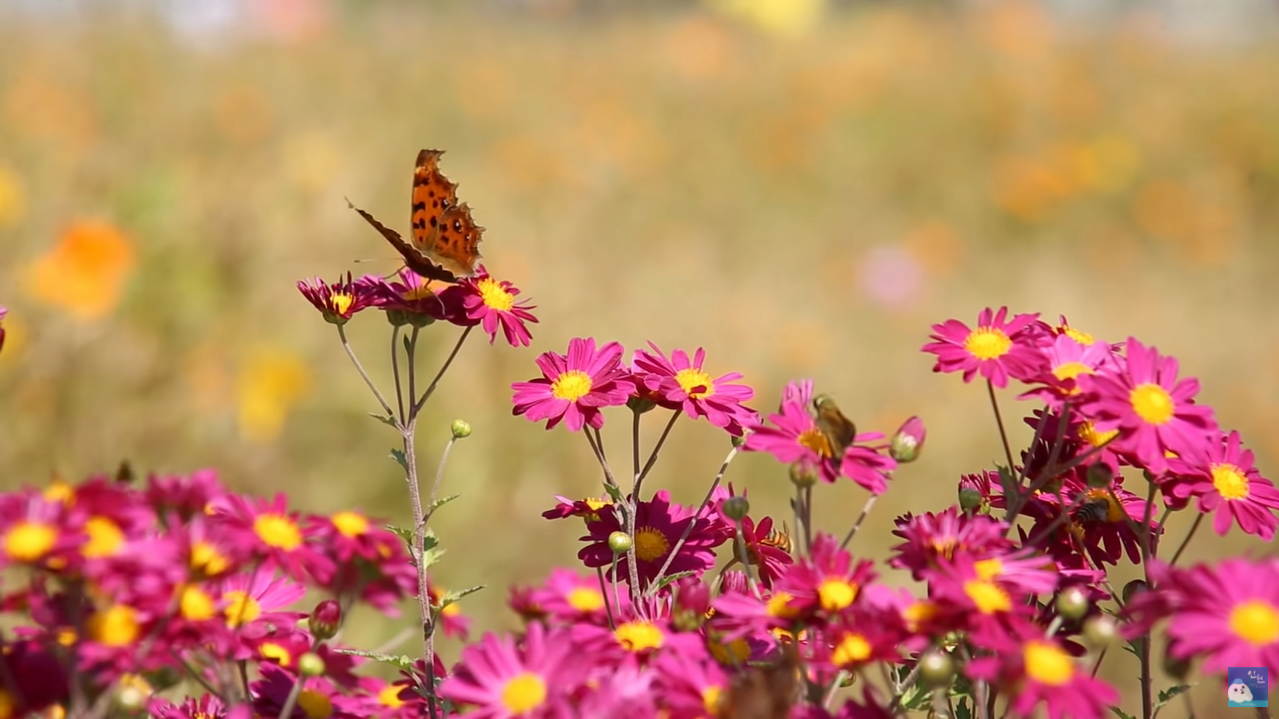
(1101, 522)
(492, 304)
(765, 547)
(1222, 475)
(275, 534)
(187, 495)
(207, 706)
(318, 696)
(680, 383)
(3, 311)
(1153, 411)
(588, 508)
(339, 301)
(501, 679)
(827, 581)
(692, 684)
(575, 387)
(258, 597)
(659, 524)
(1037, 671)
(1067, 359)
(414, 296)
(37, 531)
(932, 537)
(997, 349)
(569, 598)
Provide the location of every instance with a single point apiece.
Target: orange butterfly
(446, 240)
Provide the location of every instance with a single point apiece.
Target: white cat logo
(1239, 692)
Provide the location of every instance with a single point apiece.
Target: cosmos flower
(681, 383)
(574, 387)
(996, 349)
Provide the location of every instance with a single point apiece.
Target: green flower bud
(460, 429)
(736, 508)
(1073, 604)
(1101, 631)
(619, 542)
(936, 669)
(310, 665)
(803, 474)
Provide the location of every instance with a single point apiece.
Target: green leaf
(1007, 480)
(1133, 647)
(962, 710)
(431, 549)
(402, 662)
(441, 502)
(388, 421)
(615, 494)
(453, 597)
(1171, 693)
(405, 535)
(1121, 714)
(916, 697)
(671, 579)
(400, 459)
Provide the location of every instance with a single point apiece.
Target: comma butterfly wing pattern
(445, 241)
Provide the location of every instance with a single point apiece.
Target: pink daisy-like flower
(318, 696)
(273, 533)
(997, 349)
(1153, 411)
(588, 508)
(413, 296)
(1222, 475)
(339, 301)
(569, 598)
(692, 684)
(933, 537)
(659, 524)
(681, 383)
(501, 679)
(827, 581)
(1068, 358)
(574, 387)
(492, 304)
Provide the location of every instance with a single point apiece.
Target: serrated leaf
(615, 494)
(431, 549)
(1121, 714)
(405, 535)
(441, 502)
(402, 662)
(1007, 480)
(1133, 647)
(671, 579)
(962, 710)
(388, 421)
(454, 596)
(916, 697)
(1171, 693)
(400, 459)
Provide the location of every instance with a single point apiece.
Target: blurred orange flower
(85, 272)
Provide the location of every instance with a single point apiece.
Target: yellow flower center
(60, 491)
(695, 382)
(241, 608)
(1230, 481)
(350, 524)
(105, 538)
(835, 594)
(1255, 622)
(1152, 403)
(585, 600)
(195, 604)
(207, 560)
(816, 440)
(1079, 336)
(1089, 434)
(572, 385)
(341, 302)
(315, 704)
(988, 597)
(917, 613)
(1048, 664)
(779, 606)
(8, 706)
(277, 530)
(29, 541)
(712, 697)
(275, 652)
(1071, 370)
(115, 626)
(523, 693)
(390, 696)
(494, 296)
(987, 343)
(639, 636)
(852, 649)
(650, 544)
(988, 568)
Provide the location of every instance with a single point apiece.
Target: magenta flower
(997, 349)
(568, 598)
(492, 304)
(339, 301)
(413, 295)
(1222, 475)
(274, 534)
(1153, 411)
(501, 679)
(3, 311)
(681, 383)
(659, 524)
(827, 581)
(574, 387)
(1067, 359)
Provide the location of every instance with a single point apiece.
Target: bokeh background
(801, 187)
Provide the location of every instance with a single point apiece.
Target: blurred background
(801, 187)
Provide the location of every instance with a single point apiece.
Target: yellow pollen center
(1048, 664)
(1230, 481)
(712, 697)
(852, 649)
(341, 302)
(195, 604)
(1256, 622)
(241, 608)
(650, 544)
(350, 524)
(315, 704)
(1089, 434)
(390, 696)
(815, 440)
(1079, 336)
(115, 626)
(523, 693)
(779, 606)
(695, 382)
(29, 541)
(277, 530)
(1071, 370)
(988, 568)
(275, 652)
(207, 560)
(917, 613)
(105, 538)
(60, 491)
(494, 296)
(988, 343)
(8, 705)
(585, 600)
(988, 597)
(835, 594)
(572, 385)
(1152, 403)
(639, 636)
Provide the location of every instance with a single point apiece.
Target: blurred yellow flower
(779, 17)
(270, 382)
(13, 198)
(85, 272)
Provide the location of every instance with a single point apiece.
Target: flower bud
(130, 699)
(1101, 631)
(736, 508)
(739, 440)
(325, 619)
(936, 669)
(1132, 589)
(803, 474)
(619, 542)
(970, 500)
(310, 665)
(460, 429)
(909, 439)
(1073, 604)
(639, 405)
(1099, 475)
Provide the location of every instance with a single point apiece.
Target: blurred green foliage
(801, 191)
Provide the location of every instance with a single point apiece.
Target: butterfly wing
(443, 231)
(414, 259)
